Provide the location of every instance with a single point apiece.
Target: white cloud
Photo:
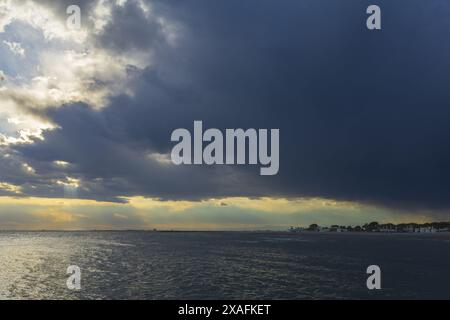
(10, 188)
(16, 48)
(39, 17)
(67, 66)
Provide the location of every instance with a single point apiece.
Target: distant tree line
(378, 227)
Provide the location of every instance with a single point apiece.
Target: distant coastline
(432, 227)
(372, 227)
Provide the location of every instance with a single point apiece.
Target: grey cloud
(112, 164)
(363, 116)
(130, 29)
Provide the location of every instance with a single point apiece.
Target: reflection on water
(222, 265)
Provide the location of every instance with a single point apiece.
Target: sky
(86, 114)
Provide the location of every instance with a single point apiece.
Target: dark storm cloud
(132, 29)
(363, 115)
(112, 163)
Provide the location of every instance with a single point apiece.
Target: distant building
(427, 229)
(296, 229)
(433, 227)
(338, 229)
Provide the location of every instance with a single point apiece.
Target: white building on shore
(425, 230)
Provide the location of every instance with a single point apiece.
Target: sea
(223, 265)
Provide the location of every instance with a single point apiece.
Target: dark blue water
(222, 265)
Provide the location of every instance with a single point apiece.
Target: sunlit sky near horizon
(86, 114)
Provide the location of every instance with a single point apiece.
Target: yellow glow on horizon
(152, 203)
(36, 201)
(266, 204)
(54, 215)
(283, 205)
(212, 214)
